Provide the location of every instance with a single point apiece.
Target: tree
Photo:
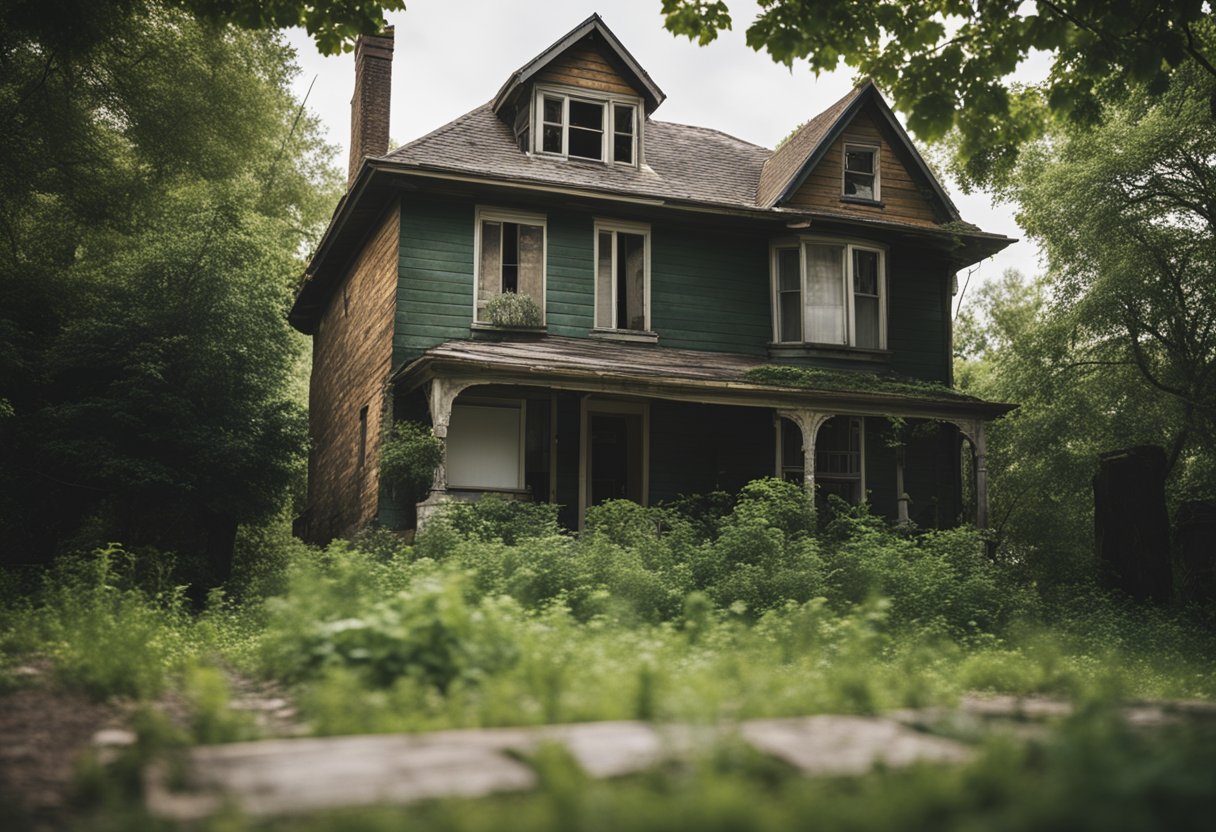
(157, 188)
(947, 63)
(1116, 344)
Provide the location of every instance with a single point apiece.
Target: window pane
(552, 139)
(622, 117)
(860, 185)
(859, 160)
(865, 272)
(483, 447)
(553, 110)
(603, 282)
(510, 256)
(531, 262)
(825, 294)
(631, 281)
(789, 296)
(622, 149)
(489, 273)
(788, 276)
(866, 309)
(586, 144)
(586, 114)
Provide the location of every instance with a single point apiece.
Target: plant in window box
(409, 455)
(512, 310)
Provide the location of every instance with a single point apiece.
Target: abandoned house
(660, 266)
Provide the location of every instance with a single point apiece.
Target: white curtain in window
(603, 283)
(483, 447)
(825, 294)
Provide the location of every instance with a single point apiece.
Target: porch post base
(430, 507)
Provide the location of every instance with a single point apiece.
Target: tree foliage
(157, 186)
(948, 63)
(1116, 345)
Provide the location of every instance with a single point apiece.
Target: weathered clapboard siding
(352, 359)
(918, 325)
(900, 190)
(583, 66)
(695, 449)
(710, 290)
(434, 276)
(571, 294)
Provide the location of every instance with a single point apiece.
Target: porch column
(440, 396)
(973, 431)
(808, 422)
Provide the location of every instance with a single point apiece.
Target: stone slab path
(286, 776)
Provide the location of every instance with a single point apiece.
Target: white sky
(452, 55)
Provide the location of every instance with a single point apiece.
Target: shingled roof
(682, 162)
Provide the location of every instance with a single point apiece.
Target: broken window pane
(631, 281)
(603, 282)
(586, 139)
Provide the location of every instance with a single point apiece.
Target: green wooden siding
(435, 275)
(918, 309)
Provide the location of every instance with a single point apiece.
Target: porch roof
(649, 371)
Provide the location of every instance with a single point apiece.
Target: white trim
(844, 167)
(849, 244)
(484, 213)
(608, 101)
(588, 404)
(614, 227)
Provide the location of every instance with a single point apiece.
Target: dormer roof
(594, 32)
(788, 168)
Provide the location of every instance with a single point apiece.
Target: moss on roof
(853, 381)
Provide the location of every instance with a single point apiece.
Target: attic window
(580, 127)
(861, 172)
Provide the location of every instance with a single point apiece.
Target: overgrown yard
(710, 612)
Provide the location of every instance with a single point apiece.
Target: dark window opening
(586, 139)
(838, 459)
(792, 467)
(622, 133)
(552, 125)
(630, 281)
(510, 257)
(859, 173)
(362, 436)
(789, 291)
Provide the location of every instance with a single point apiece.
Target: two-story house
(667, 263)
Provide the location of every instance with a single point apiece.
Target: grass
(740, 608)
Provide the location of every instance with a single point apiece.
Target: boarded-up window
(484, 448)
(512, 259)
(622, 271)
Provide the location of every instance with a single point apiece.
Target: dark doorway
(614, 456)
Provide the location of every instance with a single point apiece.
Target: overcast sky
(452, 55)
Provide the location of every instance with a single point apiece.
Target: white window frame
(615, 227)
(844, 169)
(501, 215)
(849, 245)
(607, 144)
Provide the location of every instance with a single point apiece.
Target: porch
(576, 422)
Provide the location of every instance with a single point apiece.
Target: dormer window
(585, 127)
(861, 176)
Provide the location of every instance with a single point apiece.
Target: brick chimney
(370, 104)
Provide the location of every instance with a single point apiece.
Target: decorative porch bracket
(440, 396)
(974, 432)
(808, 422)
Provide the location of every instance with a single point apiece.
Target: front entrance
(615, 451)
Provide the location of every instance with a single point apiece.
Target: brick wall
(351, 361)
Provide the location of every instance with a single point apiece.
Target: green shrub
(409, 454)
(491, 518)
(514, 310)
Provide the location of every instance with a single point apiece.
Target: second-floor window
(830, 292)
(622, 276)
(581, 127)
(511, 257)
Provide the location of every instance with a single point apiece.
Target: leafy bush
(408, 457)
(514, 310)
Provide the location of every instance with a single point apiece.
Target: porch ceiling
(647, 371)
